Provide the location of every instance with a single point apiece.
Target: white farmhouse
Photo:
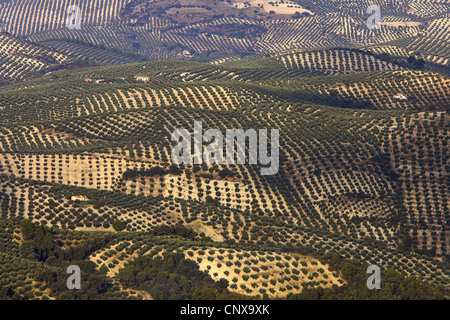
(80, 198)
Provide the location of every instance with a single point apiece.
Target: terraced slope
(379, 84)
(328, 197)
(368, 181)
(20, 57)
(86, 175)
(179, 29)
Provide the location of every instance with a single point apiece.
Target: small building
(241, 5)
(80, 198)
(143, 78)
(88, 80)
(186, 53)
(400, 97)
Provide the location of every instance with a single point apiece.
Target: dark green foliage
(225, 173)
(8, 293)
(394, 285)
(94, 285)
(179, 230)
(211, 200)
(172, 278)
(118, 225)
(154, 171)
(38, 241)
(42, 246)
(416, 63)
(174, 169)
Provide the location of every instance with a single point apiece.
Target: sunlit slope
(379, 84)
(19, 57)
(152, 29)
(341, 172)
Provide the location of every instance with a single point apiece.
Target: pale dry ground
(133, 292)
(110, 229)
(397, 24)
(104, 172)
(337, 61)
(28, 17)
(209, 231)
(136, 217)
(217, 268)
(415, 197)
(112, 272)
(33, 284)
(288, 7)
(402, 52)
(18, 57)
(176, 11)
(424, 82)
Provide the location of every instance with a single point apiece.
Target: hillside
(213, 30)
(353, 180)
(20, 58)
(88, 177)
(235, 85)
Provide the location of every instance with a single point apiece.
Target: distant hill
(20, 57)
(210, 29)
